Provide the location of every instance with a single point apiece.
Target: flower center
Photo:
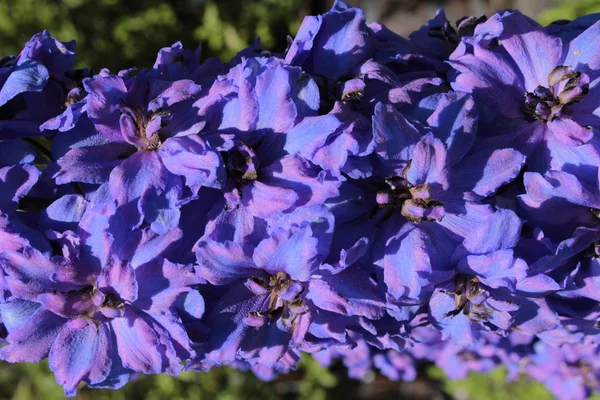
(415, 202)
(145, 129)
(565, 86)
(469, 299)
(242, 163)
(101, 305)
(285, 300)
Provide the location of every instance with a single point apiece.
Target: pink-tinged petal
(29, 76)
(586, 283)
(558, 184)
(454, 121)
(331, 141)
(30, 273)
(394, 136)
(66, 305)
(16, 235)
(118, 277)
(165, 94)
(98, 235)
(256, 320)
(31, 341)
(136, 177)
(192, 158)
(129, 130)
(414, 87)
(66, 121)
(340, 34)
(295, 253)
(310, 136)
(428, 163)
(496, 270)
(90, 164)
(241, 110)
(257, 287)
(318, 217)
(223, 263)
(15, 182)
(300, 328)
(17, 312)
(482, 72)
(65, 213)
(176, 343)
(228, 330)
(146, 245)
(161, 283)
(162, 209)
(104, 362)
(484, 229)
(569, 132)
(138, 344)
(538, 284)
(265, 200)
(298, 183)
(407, 265)
(484, 172)
(535, 316)
(80, 353)
(581, 161)
(351, 292)
(238, 225)
(329, 326)
(300, 48)
(458, 328)
(265, 345)
(106, 94)
(534, 51)
(276, 108)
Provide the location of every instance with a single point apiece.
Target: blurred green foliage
(35, 381)
(494, 387)
(569, 9)
(310, 382)
(122, 33)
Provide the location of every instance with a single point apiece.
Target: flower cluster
(362, 196)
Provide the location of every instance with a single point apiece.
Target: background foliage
(121, 33)
(569, 9)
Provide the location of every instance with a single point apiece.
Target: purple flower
(396, 365)
(542, 89)
(428, 202)
(37, 85)
(572, 203)
(15, 182)
(332, 45)
(275, 287)
(480, 297)
(143, 125)
(570, 372)
(97, 318)
(358, 359)
(253, 107)
(337, 142)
